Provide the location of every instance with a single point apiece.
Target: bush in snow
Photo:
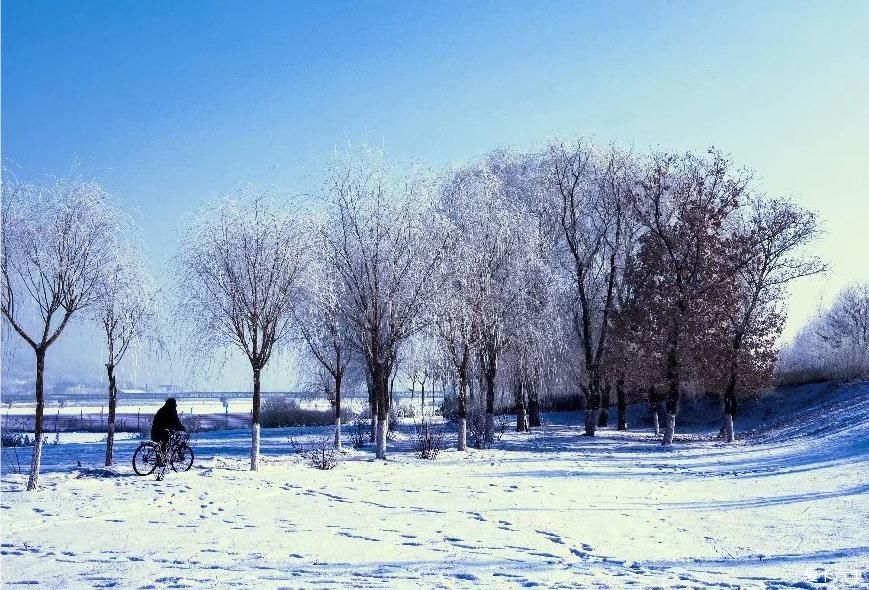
(192, 423)
(279, 412)
(360, 432)
(429, 439)
(324, 456)
(15, 439)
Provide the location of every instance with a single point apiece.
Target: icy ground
(787, 507)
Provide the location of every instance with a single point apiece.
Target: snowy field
(787, 507)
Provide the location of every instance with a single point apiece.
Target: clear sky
(171, 103)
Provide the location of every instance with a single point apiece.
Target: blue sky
(171, 103)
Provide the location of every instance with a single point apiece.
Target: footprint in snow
(469, 577)
(552, 537)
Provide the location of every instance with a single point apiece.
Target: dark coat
(165, 422)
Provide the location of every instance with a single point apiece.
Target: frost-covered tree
(834, 344)
(495, 240)
(587, 197)
(379, 241)
(57, 243)
(419, 362)
(325, 330)
(846, 325)
(127, 313)
(238, 270)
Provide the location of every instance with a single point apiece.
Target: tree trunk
(462, 444)
(728, 428)
(382, 429)
(533, 407)
(592, 408)
(673, 383)
(113, 399)
(422, 399)
(655, 421)
(730, 392)
(254, 443)
(338, 413)
(490, 404)
(462, 409)
(521, 420)
(381, 393)
(521, 414)
(621, 400)
(670, 429)
(33, 481)
(372, 409)
(604, 418)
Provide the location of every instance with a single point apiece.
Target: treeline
(834, 345)
(571, 269)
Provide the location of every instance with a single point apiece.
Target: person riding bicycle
(166, 423)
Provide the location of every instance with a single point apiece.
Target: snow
(785, 507)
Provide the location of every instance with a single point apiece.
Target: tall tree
(685, 202)
(378, 242)
(777, 232)
(57, 242)
(238, 269)
(588, 191)
(325, 329)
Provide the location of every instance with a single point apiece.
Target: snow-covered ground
(787, 507)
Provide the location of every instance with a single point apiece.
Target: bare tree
(57, 241)
(778, 232)
(239, 269)
(589, 191)
(379, 245)
(325, 329)
(127, 313)
(685, 203)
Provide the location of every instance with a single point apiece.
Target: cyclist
(166, 423)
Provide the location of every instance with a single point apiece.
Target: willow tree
(325, 330)
(239, 269)
(379, 242)
(57, 243)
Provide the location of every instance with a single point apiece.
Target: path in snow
(784, 508)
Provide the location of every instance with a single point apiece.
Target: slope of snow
(785, 507)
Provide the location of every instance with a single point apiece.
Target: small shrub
(12, 460)
(429, 439)
(359, 433)
(449, 408)
(192, 424)
(280, 412)
(16, 439)
(477, 428)
(406, 411)
(394, 419)
(324, 456)
(145, 428)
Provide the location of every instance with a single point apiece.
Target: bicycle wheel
(182, 459)
(145, 459)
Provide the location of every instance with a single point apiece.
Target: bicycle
(179, 456)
